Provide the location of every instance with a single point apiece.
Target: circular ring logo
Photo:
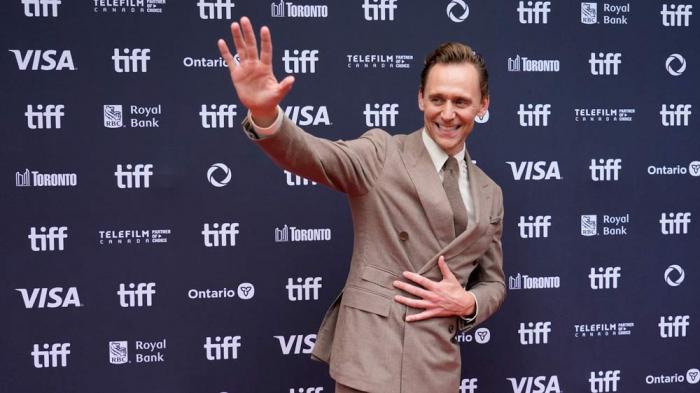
(246, 291)
(692, 376)
(482, 119)
(219, 167)
(451, 14)
(482, 335)
(675, 58)
(679, 275)
(694, 168)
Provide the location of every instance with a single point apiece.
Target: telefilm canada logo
(604, 115)
(129, 7)
(379, 61)
(607, 329)
(115, 116)
(118, 237)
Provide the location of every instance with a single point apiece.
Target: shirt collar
(437, 155)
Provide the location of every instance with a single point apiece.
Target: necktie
(450, 181)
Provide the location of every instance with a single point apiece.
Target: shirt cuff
(472, 317)
(264, 132)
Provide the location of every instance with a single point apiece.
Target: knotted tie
(450, 181)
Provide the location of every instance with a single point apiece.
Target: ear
(420, 100)
(484, 106)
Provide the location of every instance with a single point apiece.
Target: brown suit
(402, 221)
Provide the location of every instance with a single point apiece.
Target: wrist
(264, 118)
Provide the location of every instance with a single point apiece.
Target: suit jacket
(402, 221)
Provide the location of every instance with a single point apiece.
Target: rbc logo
(535, 12)
(43, 60)
(379, 9)
(44, 241)
(52, 355)
(41, 8)
(44, 117)
(222, 348)
(383, 115)
(137, 295)
(303, 61)
(133, 60)
(215, 9)
(535, 116)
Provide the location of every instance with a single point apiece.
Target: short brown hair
(456, 53)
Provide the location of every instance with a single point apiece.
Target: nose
(448, 112)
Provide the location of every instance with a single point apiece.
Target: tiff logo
(47, 240)
(535, 116)
(468, 385)
(605, 278)
(43, 60)
(223, 348)
(135, 176)
(44, 8)
(137, 295)
(44, 117)
(379, 9)
(605, 63)
(675, 223)
(317, 389)
(674, 326)
(296, 180)
(534, 227)
(604, 381)
(137, 61)
(534, 333)
(215, 9)
(605, 169)
(303, 61)
(218, 117)
(676, 15)
(50, 357)
(383, 115)
(297, 344)
(308, 290)
(535, 12)
(675, 115)
(215, 237)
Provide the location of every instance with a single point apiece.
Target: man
(427, 258)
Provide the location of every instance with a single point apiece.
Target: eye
(436, 100)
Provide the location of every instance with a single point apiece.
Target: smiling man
(427, 259)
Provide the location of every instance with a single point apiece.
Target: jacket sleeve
(348, 166)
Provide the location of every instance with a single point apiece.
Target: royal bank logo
(139, 116)
(379, 61)
(603, 329)
(37, 179)
(674, 275)
(244, 291)
(480, 336)
(457, 11)
(222, 172)
(294, 234)
(603, 115)
(129, 7)
(293, 180)
(215, 9)
(524, 281)
(676, 15)
(44, 60)
(118, 352)
(611, 14)
(44, 116)
(287, 9)
(41, 8)
(609, 225)
(675, 64)
(589, 13)
(378, 10)
(692, 377)
(525, 64)
(693, 169)
(118, 237)
(533, 12)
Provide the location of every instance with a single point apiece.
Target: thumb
(285, 86)
(444, 269)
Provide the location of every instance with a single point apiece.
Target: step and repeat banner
(149, 246)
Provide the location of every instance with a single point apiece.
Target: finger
(427, 314)
(413, 290)
(415, 303)
(418, 279)
(226, 54)
(444, 269)
(249, 38)
(284, 87)
(265, 46)
(238, 40)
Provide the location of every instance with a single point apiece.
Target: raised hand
(255, 83)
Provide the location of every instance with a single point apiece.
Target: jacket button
(403, 236)
(451, 329)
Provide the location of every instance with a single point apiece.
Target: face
(450, 101)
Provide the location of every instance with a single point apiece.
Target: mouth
(447, 129)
